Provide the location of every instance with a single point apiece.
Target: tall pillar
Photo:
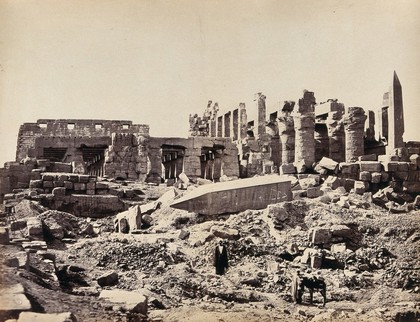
(220, 126)
(336, 134)
(304, 122)
(227, 121)
(286, 130)
(235, 123)
(261, 114)
(242, 121)
(354, 124)
(395, 116)
(213, 120)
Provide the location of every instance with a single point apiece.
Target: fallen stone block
(183, 234)
(370, 166)
(35, 245)
(130, 301)
(184, 178)
(328, 164)
(349, 184)
(34, 226)
(360, 187)
(277, 212)
(348, 168)
(108, 279)
(320, 236)
(316, 261)
(300, 166)
(225, 233)
(368, 157)
(287, 168)
(338, 248)
(4, 236)
(46, 317)
(365, 176)
(13, 298)
(332, 182)
(376, 177)
(307, 183)
(415, 159)
(313, 192)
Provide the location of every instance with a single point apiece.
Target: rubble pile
(360, 250)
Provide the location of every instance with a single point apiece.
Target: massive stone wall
(60, 132)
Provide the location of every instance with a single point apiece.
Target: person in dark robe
(221, 258)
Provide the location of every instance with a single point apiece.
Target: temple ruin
(221, 146)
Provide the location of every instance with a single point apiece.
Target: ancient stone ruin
(101, 221)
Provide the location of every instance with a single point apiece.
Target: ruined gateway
(87, 218)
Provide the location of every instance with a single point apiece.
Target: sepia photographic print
(197, 160)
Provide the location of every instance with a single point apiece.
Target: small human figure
(221, 258)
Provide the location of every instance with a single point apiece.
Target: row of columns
(297, 129)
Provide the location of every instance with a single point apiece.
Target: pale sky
(155, 62)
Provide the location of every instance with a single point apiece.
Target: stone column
(354, 124)
(227, 121)
(220, 126)
(213, 120)
(304, 122)
(261, 114)
(287, 138)
(235, 123)
(242, 121)
(336, 136)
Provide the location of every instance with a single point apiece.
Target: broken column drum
(304, 122)
(287, 138)
(336, 134)
(354, 124)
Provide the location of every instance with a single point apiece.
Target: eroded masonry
(362, 149)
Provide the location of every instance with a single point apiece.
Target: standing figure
(221, 258)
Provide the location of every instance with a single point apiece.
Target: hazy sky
(154, 62)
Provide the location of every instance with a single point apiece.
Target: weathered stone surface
(360, 187)
(328, 164)
(13, 298)
(320, 235)
(370, 166)
(130, 301)
(287, 168)
(313, 192)
(338, 248)
(130, 219)
(354, 122)
(368, 157)
(4, 236)
(46, 317)
(365, 176)
(108, 279)
(376, 177)
(332, 182)
(34, 226)
(225, 233)
(183, 234)
(300, 166)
